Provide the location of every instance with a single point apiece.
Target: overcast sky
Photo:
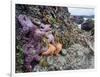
(81, 11)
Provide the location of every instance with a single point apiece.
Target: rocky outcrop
(39, 28)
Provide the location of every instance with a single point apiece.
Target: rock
(76, 57)
(43, 63)
(63, 52)
(37, 68)
(87, 25)
(50, 60)
(77, 19)
(51, 68)
(61, 60)
(76, 53)
(57, 63)
(79, 57)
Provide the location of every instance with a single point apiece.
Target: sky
(81, 11)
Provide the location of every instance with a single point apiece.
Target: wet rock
(78, 57)
(77, 19)
(75, 53)
(64, 52)
(59, 63)
(43, 63)
(51, 68)
(50, 60)
(61, 60)
(87, 25)
(37, 68)
(56, 63)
